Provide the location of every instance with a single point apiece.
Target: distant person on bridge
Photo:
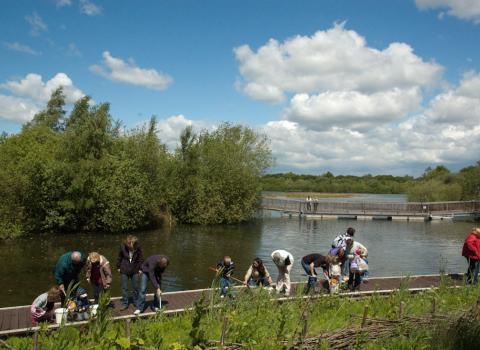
(67, 269)
(42, 309)
(471, 251)
(129, 264)
(152, 270)
(284, 262)
(257, 275)
(225, 269)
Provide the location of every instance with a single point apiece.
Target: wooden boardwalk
(16, 320)
(423, 210)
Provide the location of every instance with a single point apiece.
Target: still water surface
(395, 248)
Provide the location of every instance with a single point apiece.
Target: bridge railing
(298, 205)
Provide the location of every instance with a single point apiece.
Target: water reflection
(395, 248)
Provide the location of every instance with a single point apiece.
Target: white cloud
(463, 9)
(336, 59)
(459, 105)
(21, 48)
(17, 109)
(89, 8)
(30, 94)
(352, 109)
(37, 25)
(62, 3)
(32, 86)
(407, 149)
(117, 69)
(169, 129)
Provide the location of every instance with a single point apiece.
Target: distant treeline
(438, 184)
(83, 172)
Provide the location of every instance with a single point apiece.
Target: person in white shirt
(284, 262)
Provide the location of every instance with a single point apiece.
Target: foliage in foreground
(83, 172)
(251, 320)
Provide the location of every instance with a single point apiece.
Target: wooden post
(434, 306)
(224, 330)
(364, 318)
(35, 340)
(305, 326)
(127, 328)
(402, 309)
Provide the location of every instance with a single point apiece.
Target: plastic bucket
(93, 309)
(60, 315)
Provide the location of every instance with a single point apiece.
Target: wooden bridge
(16, 320)
(372, 210)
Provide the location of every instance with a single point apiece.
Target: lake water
(395, 248)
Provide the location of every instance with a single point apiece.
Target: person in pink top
(471, 251)
(43, 305)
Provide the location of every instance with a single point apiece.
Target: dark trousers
(472, 271)
(354, 280)
(312, 279)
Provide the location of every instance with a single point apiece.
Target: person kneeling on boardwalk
(42, 309)
(225, 269)
(257, 275)
(284, 262)
(152, 269)
(309, 263)
(129, 264)
(98, 274)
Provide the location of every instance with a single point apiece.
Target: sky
(346, 86)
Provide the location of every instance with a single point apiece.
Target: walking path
(16, 320)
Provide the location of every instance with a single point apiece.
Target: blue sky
(346, 86)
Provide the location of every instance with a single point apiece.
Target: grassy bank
(403, 321)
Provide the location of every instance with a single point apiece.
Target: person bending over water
(284, 262)
(257, 275)
(152, 270)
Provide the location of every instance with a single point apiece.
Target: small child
(225, 268)
(81, 304)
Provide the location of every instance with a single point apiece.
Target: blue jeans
(142, 293)
(472, 271)
(312, 280)
(225, 284)
(124, 284)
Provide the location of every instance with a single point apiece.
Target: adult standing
(152, 270)
(67, 269)
(284, 262)
(99, 274)
(129, 264)
(471, 251)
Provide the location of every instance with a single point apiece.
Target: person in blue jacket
(67, 269)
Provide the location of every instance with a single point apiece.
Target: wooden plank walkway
(16, 320)
(388, 209)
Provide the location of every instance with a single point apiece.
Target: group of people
(345, 262)
(471, 251)
(130, 264)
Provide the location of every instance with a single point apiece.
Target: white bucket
(93, 309)
(61, 315)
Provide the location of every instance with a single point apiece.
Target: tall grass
(253, 320)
